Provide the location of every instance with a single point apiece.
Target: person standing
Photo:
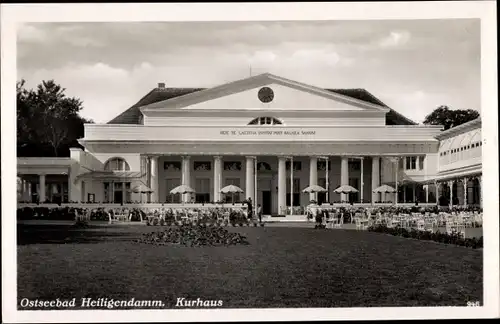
(259, 212)
(249, 208)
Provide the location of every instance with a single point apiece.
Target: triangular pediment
(285, 95)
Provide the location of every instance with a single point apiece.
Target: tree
(443, 115)
(48, 122)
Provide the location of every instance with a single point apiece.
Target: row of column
(450, 183)
(250, 177)
(41, 189)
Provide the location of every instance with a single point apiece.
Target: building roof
(462, 128)
(133, 115)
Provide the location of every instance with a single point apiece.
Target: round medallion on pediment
(266, 94)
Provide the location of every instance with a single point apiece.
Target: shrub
(455, 238)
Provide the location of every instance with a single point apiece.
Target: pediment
(285, 95)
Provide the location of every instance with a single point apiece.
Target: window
(116, 164)
(354, 165)
(202, 190)
(265, 121)
(115, 192)
(411, 163)
(297, 165)
(421, 163)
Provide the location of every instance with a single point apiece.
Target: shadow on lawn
(66, 234)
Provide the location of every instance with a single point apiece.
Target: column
(313, 176)
(186, 177)
(291, 185)
(481, 191)
(327, 180)
(217, 177)
(26, 190)
(41, 192)
(436, 186)
(154, 179)
(344, 176)
(465, 180)
(249, 176)
(414, 192)
(427, 193)
(281, 185)
(362, 182)
(450, 185)
(375, 177)
(147, 162)
(72, 195)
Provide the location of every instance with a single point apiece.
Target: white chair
(421, 225)
(332, 222)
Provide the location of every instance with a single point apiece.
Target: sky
(413, 66)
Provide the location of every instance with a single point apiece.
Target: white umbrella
(345, 189)
(384, 189)
(182, 189)
(142, 189)
(313, 189)
(231, 189)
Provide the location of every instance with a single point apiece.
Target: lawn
(282, 267)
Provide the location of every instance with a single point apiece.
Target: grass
(282, 267)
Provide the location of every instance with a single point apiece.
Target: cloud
(31, 34)
(112, 65)
(395, 38)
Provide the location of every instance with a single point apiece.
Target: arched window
(116, 164)
(265, 121)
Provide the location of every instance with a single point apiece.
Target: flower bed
(455, 239)
(194, 235)
(62, 213)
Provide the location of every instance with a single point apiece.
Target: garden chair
(332, 221)
(421, 225)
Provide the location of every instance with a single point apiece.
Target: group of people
(249, 204)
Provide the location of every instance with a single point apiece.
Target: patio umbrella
(142, 189)
(313, 189)
(182, 189)
(232, 189)
(345, 189)
(384, 189)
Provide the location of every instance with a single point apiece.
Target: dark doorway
(266, 202)
(118, 197)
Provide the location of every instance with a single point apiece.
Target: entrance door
(118, 197)
(266, 202)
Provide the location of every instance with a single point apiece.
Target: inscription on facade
(266, 133)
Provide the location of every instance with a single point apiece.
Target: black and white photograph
(217, 162)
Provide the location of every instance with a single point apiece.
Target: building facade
(268, 135)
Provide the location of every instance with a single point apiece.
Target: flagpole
(255, 186)
(397, 170)
(327, 182)
(291, 185)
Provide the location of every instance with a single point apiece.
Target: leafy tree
(449, 118)
(48, 122)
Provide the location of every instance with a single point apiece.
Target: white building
(209, 138)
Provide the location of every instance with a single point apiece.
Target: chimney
(161, 85)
